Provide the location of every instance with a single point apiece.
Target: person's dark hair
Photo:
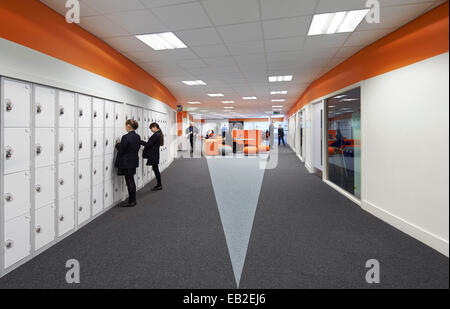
(132, 123)
(155, 125)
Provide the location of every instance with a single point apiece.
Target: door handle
(61, 147)
(61, 182)
(61, 218)
(8, 197)
(38, 229)
(61, 110)
(38, 108)
(80, 112)
(38, 149)
(95, 114)
(8, 152)
(80, 145)
(9, 244)
(106, 116)
(8, 105)
(38, 188)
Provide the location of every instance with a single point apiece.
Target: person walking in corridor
(271, 133)
(281, 135)
(151, 152)
(192, 132)
(127, 159)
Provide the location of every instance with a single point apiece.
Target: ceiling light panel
(278, 100)
(339, 22)
(193, 103)
(194, 82)
(215, 94)
(249, 98)
(162, 41)
(278, 92)
(284, 78)
(227, 102)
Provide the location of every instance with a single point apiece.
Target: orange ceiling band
(423, 38)
(33, 24)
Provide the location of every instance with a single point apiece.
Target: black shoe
(129, 204)
(157, 188)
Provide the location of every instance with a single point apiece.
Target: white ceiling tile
(232, 11)
(251, 59)
(191, 63)
(138, 22)
(284, 56)
(111, 6)
(219, 61)
(367, 37)
(183, 16)
(348, 51)
(199, 37)
(158, 3)
(286, 44)
(127, 44)
(286, 27)
(328, 6)
(326, 40)
(101, 27)
(211, 51)
(243, 48)
(286, 8)
(241, 32)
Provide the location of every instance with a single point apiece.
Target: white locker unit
(44, 186)
(66, 110)
(16, 240)
(16, 197)
(16, 150)
(109, 141)
(97, 171)
(98, 142)
(109, 114)
(66, 145)
(84, 206)
(44, 140)
(44, 107)
(128, 113)
(84, 111)
(44, 226)
(97, 199)
(98, 117)
(84, 143)
(109, 171)
(66, 215)
(119, 118)
(16, 104)
(109, 193)
(66, 180)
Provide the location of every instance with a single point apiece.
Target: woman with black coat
(151, 152)
(127, 159)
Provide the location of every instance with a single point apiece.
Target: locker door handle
(95, 114)
(95, 172)
(38, 149)
(38, 108)
(8, 105)
(61, 110)
(106, 116)
(94, 201)
(80, 176)
(80, 112)
(38, 229)
(9, 244)
(80, 145)
(117, 116)
(38, 188)
(95, 144)
(61, 147)
(107, 168)
(8, 152)
(106, 194)
(106, 143)
(80, 209)
(61, 182)
(61, 218)
(8, 197)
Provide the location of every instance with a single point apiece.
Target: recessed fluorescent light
(161, 41)
(249, 98)
(348, 100)
(203, 110)
(275, 106)
(338, 22)
(215, 94)
(340, 96)
(229, 107)
(194, 82)
(278, 92)
(277, 109)
(227, 102)
(193, 102)
(278, 100)
(284, 78)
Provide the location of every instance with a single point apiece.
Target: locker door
(139, 176)
(44, 230)
(98, 141)
(118, 189)
(16, 188)
(98, 113)
(44, 187)
(119, 119)
(84, 143)
(44, 107)
(16, 103)
(66, 182)
(66, 219)
(84, 111)
(109, 114)
(109, 141)
(84, 206)
(66, 110)
(97, 171)
(97, 199)
(44, 147)
(109, 193)
(128, 112)
(84, 174)
(17, 240)
(109, 167)
(16, 153)
(66, 147)
(140, 119)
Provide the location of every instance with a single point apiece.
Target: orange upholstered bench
(250, 150)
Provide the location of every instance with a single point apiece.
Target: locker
(44, 107)
(84, 174)
(109, 167)
(119, 188)
(66, 216)
(97, 199)
(109, 193)
(66, 147)
(109, 114)
(16, 240)
(97, 142)
(16, 150)
(138, 176)
(16, 196)
(66, 112)
(16, 103)
(44, 186)
(128, 112)
(84, 111)
(84, 143)
(98, 117)
(97, 171)
(66, 182)
(44, 147)
(118, 133)
(84, 206)
(44, 229)
(109, 141)
(119, 119)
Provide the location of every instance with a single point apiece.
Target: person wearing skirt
(151, 152)
(127, 159)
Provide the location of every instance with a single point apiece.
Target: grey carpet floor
(305, 235)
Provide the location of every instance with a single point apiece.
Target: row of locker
(63, 144)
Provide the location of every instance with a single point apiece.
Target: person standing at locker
(151, 152)
(127, 159)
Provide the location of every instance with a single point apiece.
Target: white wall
(405, 149)
(309, 139)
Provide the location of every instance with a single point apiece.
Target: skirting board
(309, 168)
(435, 242)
